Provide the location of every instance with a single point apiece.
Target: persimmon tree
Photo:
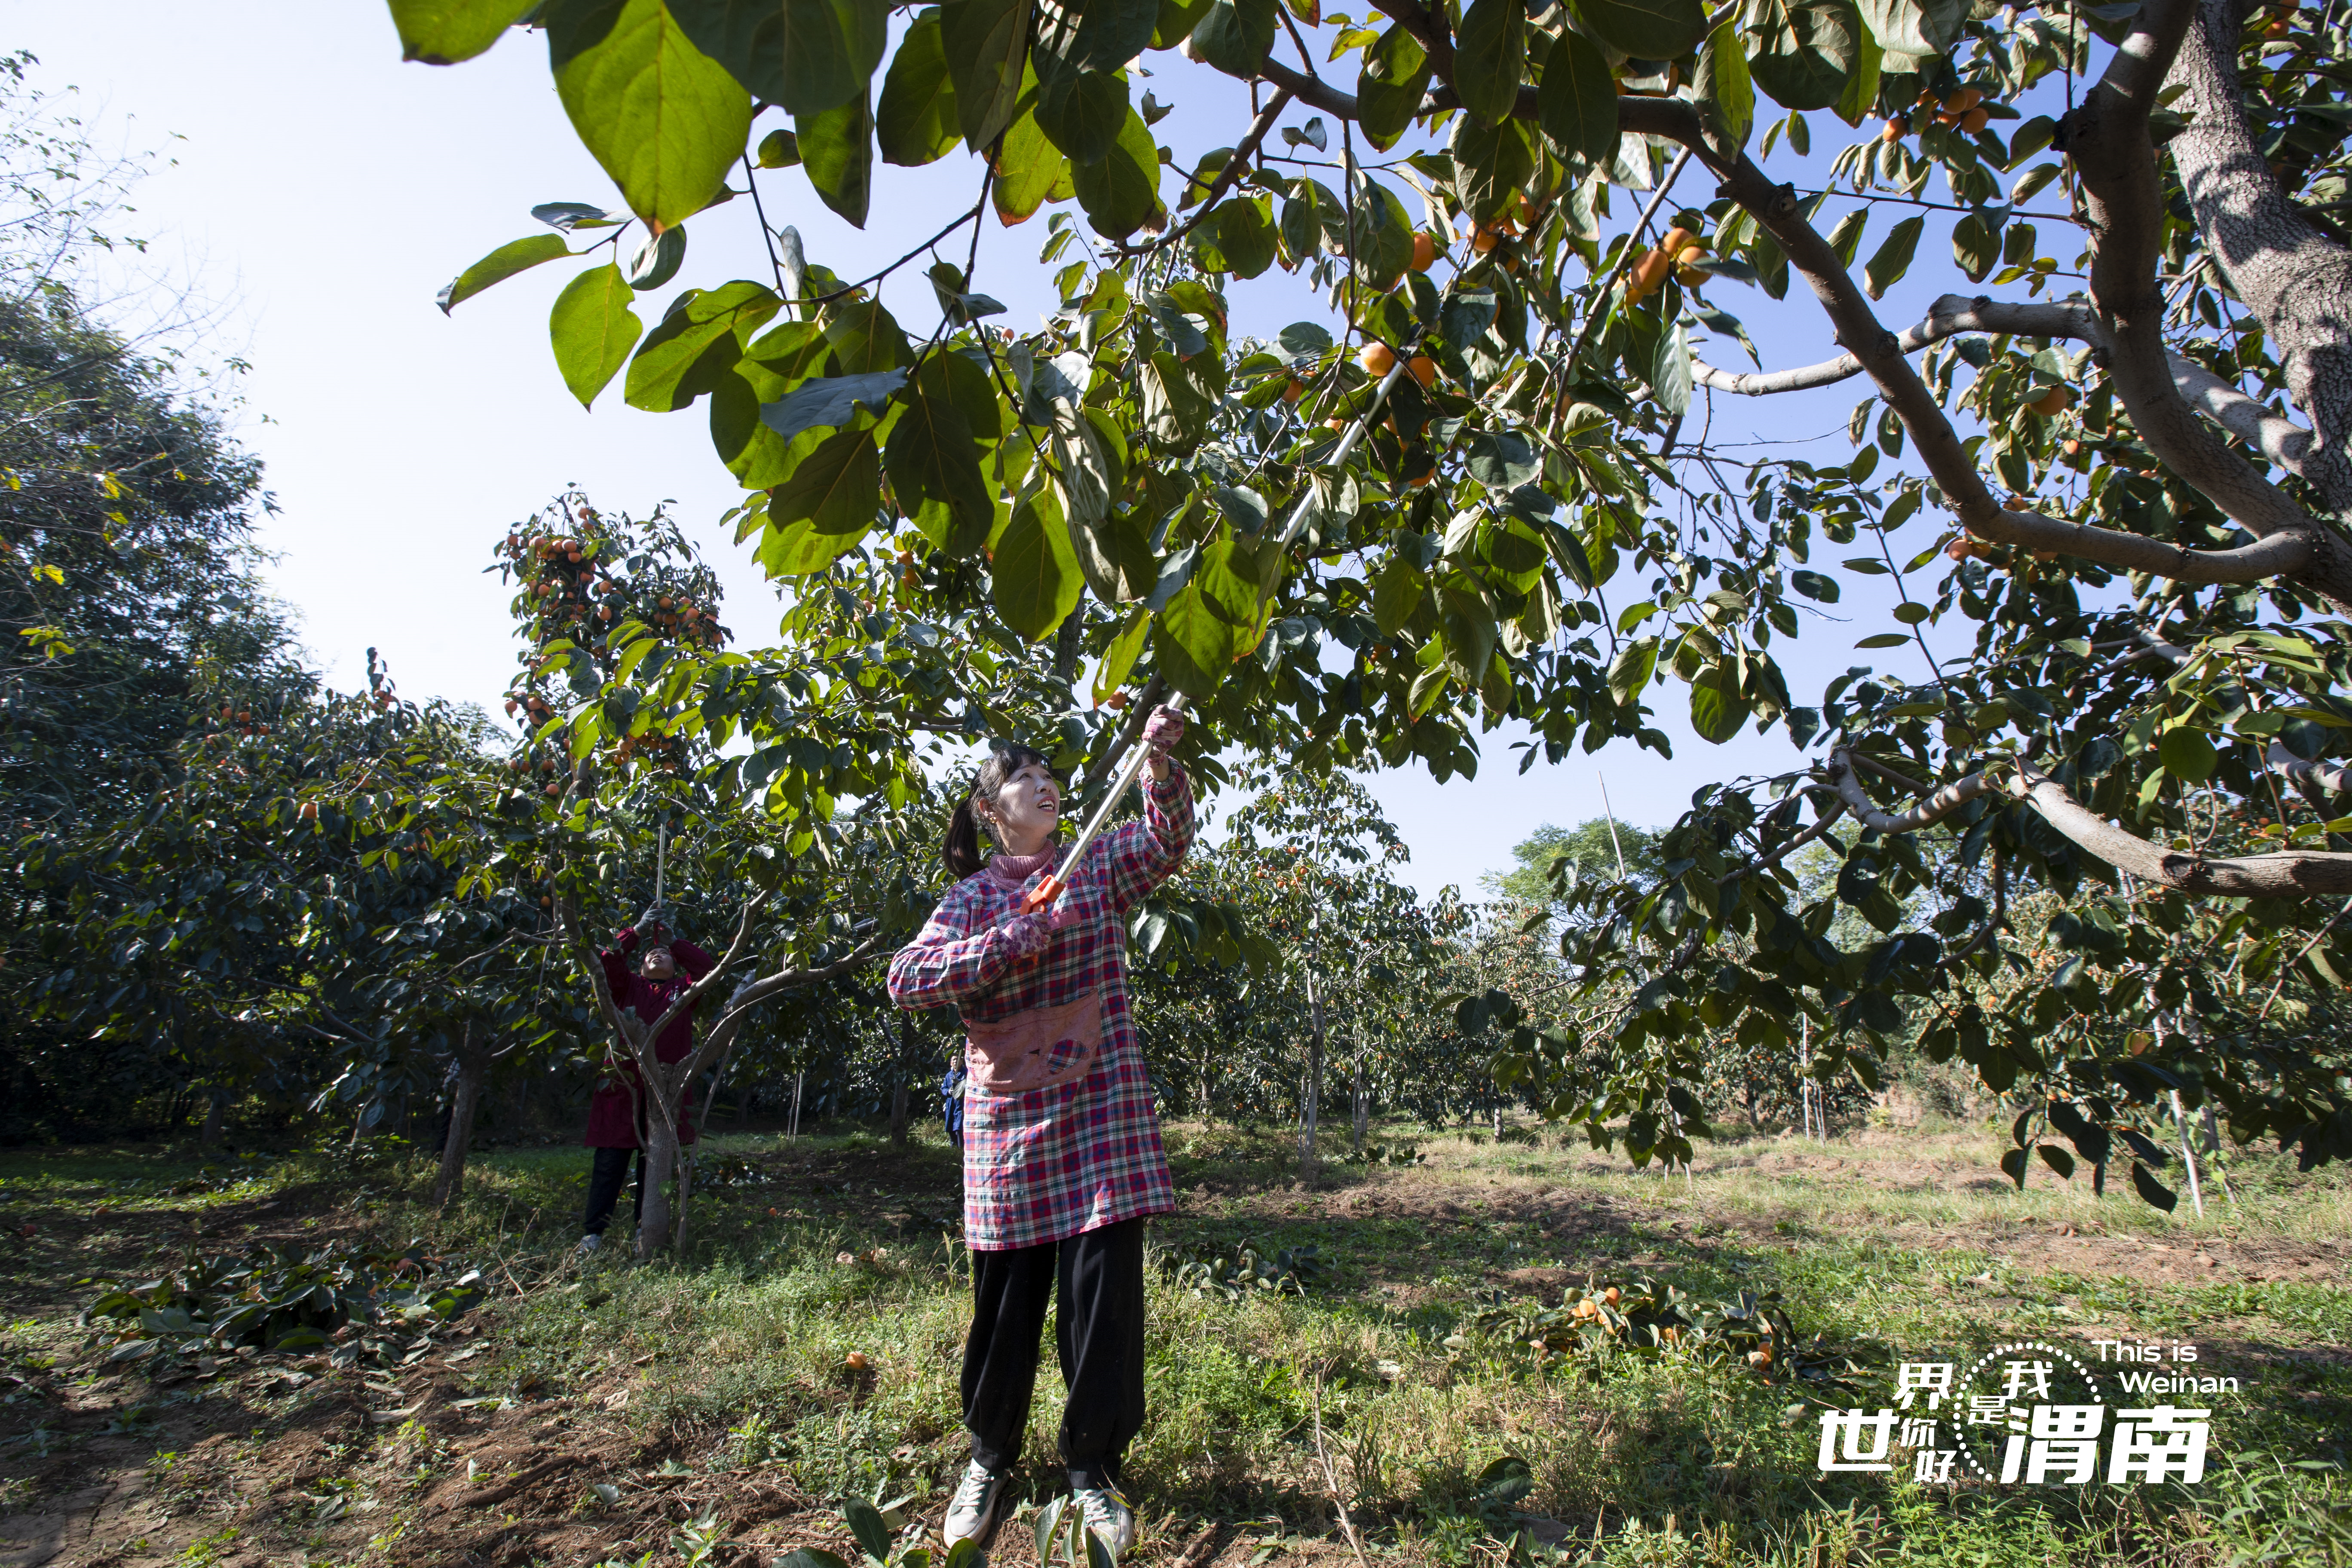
(1478, 493)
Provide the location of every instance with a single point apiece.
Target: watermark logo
(2032, 1413)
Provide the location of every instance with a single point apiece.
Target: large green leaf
(1034, 578)
(837, 151)
(986, 43)
(1975, 246)
(664, 120)
(836, 489)
(1914, 26)
(754, 454)
(1717, 710)
(1112, 32)
(1177, 20)
(697, 341)
(1490, 58)
(866, 339)
(1396, 594)
(442, 32)
(805, 55)
(1578, 98)
(1470, 632)
(1082, 112)
(1028, 167)
(792, 549)
(593, 329)
(515, 255)
(1647, 29)
(1121, 190)
(1804, 51)
(916, 122)
(1191, 643)
(1859, 99)
(1175, 413)
(1235, 36)
(1383, 234)
(1494, 163)
(1244, 227)
(1893, 257)
(1393, 81)
(1726, 100)
(831, 401)
(934, 468)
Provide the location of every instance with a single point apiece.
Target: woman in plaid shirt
(1062, 1158)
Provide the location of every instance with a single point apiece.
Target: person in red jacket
(648, 969)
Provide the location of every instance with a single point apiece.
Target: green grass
(1887, 1243)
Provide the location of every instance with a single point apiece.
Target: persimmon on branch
(2108, 137)
(2284, 874)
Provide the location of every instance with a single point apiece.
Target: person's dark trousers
(1101, 1337)
(604, 1179)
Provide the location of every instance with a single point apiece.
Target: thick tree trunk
(2294, 277)
(898, 1082)
(210, 1133)
(661, 1160)
(1311, 1091)
(473, 1066)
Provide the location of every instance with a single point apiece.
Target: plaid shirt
(1074, 1156)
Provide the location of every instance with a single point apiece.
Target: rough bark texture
(473, 1066)
(1311, 1087)
(2296, 279)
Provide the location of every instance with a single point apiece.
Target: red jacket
(621, 1100)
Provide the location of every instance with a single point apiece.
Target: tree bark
(661, 1142)
(1311, 1089)
(905, 1068)
(2296, 279)
(473, 1066)
(210, 1133)
(1363, 1108)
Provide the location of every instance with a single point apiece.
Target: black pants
(604, 1179)
(1100, 1338)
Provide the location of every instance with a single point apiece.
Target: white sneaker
(1107, 1515)
(972, 1512)
(588, 1243)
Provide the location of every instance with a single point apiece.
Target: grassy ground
(805, 1349)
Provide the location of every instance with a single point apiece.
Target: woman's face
(657, 963)
(1027, 809)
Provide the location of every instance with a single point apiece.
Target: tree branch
(2290, 874)
(1842, 764)
(1226, 176)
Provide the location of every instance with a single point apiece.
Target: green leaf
(1502, 460)
(656, 261)
(779, 149)
(1882, 639)
(754, 454)
(1974, 246)
(1175, 411)
(1726, 100)
(1860, 98)
(2152, 1191)
(442, 32)
(1390, 86)
(593, 329)
(1121, 190)
(1396, 594)
(1490, 58)
(1670, 372)
(794, 550)
(986, 43)
(835, 490)
(1082, 112)
(1028, 167)
(698, 342)
(1493, 164)
(807, 55)
(1893, 259)
(865, 1523)
(1630, 671)
(1383, 234)
(837, 151)
(1578, 98)
(934, 467)
(1647, 29)
(1805, 51)
(2187, 754)
(1235, 36)
(1177, 20)
(1193, 645)
(1245, 230)
(915, 120)
(1914, 26)
(1301, 226)
(1717, 712)
(515, 255)
(1845, 235)
(1034, 578)
(1470, 632)
(1111, 33)
(830, 401)
(664, 120)
(1118, 659)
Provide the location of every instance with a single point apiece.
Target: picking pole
(661, 858)
(1048, 891)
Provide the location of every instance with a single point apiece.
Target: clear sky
(322, 192)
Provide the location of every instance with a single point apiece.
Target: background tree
(1591, 848)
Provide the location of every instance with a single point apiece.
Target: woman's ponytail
(962, 850)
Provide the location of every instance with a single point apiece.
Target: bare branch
(2292, 874)
(2314, 781)
(693, 993)
(1233, 170)
(1940, 804)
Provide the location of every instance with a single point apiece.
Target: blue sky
(320, 191)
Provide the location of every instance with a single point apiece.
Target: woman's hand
(1160, 732)
(1026, 936)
